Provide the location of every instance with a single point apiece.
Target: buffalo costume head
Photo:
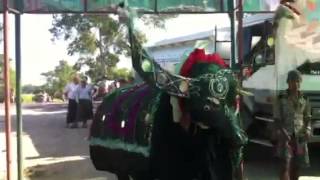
(201, 97)
(212, 87)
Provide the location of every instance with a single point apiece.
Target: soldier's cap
(294, 75)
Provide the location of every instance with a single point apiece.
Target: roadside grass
(28, 99)
(56, 100)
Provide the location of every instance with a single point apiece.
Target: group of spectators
(80, 95)
(80, 109)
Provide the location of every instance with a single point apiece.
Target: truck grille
(315, 113)
(314, 99)
(316, 132)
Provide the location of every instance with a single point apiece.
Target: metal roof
(190, 37)
(248, 21)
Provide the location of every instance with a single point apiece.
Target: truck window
(255, 40)
(261, 53)
(224, 49)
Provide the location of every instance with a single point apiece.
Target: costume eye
(206, 108)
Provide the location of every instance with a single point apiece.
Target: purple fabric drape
(113, 123)
(129, 129)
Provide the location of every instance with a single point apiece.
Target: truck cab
(269, 53)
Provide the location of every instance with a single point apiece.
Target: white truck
(293, 44)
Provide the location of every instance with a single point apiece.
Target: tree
(122, 73)
(99, 40)
(1, 31)
(31, 89)
(12, 74)
(57, 79)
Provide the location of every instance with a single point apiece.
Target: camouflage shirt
(293, 114)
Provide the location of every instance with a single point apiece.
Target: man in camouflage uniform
(292, 119)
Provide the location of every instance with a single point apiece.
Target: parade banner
(219, 6)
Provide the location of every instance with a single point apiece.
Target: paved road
(55, 152)
(260, 164)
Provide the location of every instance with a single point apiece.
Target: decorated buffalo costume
(172, 127)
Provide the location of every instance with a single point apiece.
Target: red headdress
(198, 56)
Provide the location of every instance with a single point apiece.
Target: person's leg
(84, 123)
(294, 171)
(122, 176)
(68, 120)
(222, 165)
(80, 112)
(87, 110)
(294, 165)
(73, 113)
(239, 172)
(91, 109)
(284, 169)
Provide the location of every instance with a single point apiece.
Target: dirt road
(51, 151)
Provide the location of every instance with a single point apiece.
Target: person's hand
(307, 135)
(275, 135)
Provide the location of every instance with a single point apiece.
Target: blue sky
(40, 54)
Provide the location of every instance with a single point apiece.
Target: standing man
(84, 100)
(69, 93)
(292, 118)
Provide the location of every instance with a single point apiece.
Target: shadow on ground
(53, 171)
(45, 107)
(52, 151)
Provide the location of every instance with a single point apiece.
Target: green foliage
(1, 92)
(12, 78)
(122, 73)
(1, 31)
(12, 75)
(157, 21)
(27, 98)
(30, 89)
(99, 40)
(57, 79)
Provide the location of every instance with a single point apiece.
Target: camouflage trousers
(295, 150)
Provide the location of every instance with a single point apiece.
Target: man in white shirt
(84, 99)
(69, 92)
